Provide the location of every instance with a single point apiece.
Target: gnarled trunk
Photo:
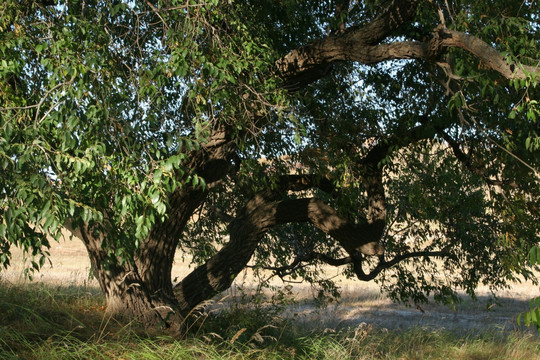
(142, 288)
(128, 293)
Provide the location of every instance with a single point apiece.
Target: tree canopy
(397, 140)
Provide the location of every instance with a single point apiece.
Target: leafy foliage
(105, 103)
(106, 108)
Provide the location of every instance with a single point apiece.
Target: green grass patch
(44, 322)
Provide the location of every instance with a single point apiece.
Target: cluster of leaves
(102, 103)
(434, 201)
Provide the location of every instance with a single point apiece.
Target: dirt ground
(360, 302)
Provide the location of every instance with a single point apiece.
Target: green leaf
(117, 8)
(532, 255)
(42, 259)
(161, 208)
(139, 221)
(40, 47)
(154, 197)
(46, 209)
(534, 316)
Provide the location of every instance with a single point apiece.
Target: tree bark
(363, 44)
(127, 295)
(260, 214)
(142, 288)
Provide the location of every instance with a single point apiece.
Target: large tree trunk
(126, 293)
(142, 288)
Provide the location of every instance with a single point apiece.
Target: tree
(282, 135)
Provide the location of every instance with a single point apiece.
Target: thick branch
(432, 49)
(486, 53)
(282, 270)
(356, 261)
(383, 265)
(313, 61)
(260, 214)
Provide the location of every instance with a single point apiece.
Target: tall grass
(44, 322)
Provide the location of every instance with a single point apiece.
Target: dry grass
(360, 302)
(53, 322)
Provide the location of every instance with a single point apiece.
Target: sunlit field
(61, 315)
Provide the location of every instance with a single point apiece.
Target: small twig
(156, 11)
(449, 11)
(441, 17)
(19, 107)
(48, 112)
(36, 122)
(383, 264)
(466, 160)
(280, 270)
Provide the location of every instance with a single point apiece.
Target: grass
(45, 322)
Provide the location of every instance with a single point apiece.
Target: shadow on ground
(373, 309)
